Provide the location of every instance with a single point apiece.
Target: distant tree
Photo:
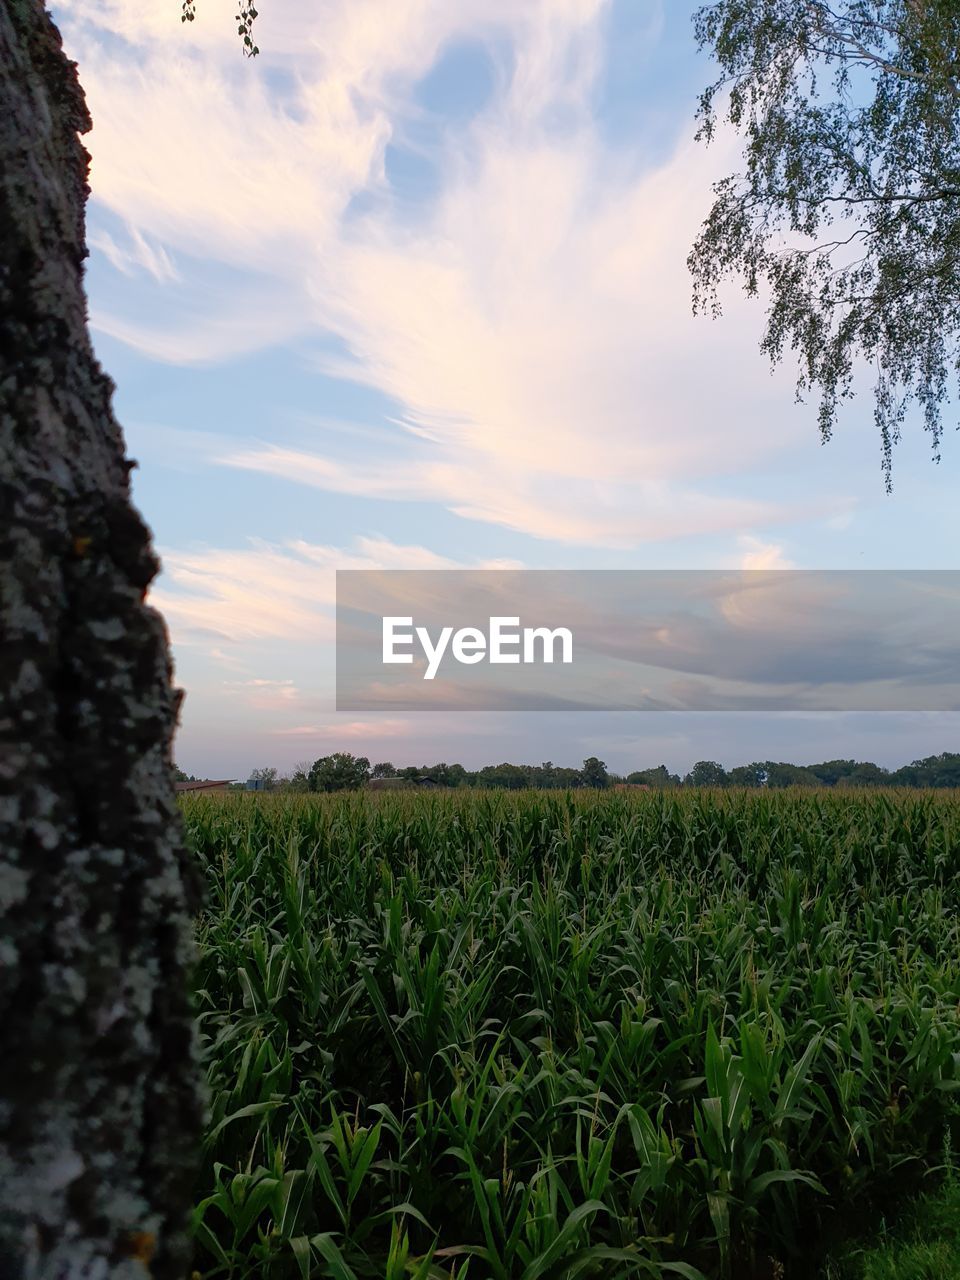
(326, 774)
(548, 774)
(847, 213)
(945, 769)
(933, 771)
(706, 773)
(830, 772)
(299, 779)
(866, 774)
(511, 777)
(339, 772)
(748, 775)
(906, 776)
(447, 775)
(594, 773)
(658, 777)
(180, 776)
(780, 774)
(565, 777)
(266, 777)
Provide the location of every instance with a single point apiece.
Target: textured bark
(100, 1100)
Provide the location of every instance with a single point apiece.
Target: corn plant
(492, 1036)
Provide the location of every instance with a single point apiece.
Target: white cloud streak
(262, 592)
(532, 318)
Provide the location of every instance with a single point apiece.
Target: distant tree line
(342, 771)
(933, 771)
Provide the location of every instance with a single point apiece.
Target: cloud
(531, 314)
(348, 730)
(611, 513)
(261, 592)
(758, 554)
(684, 640)
(265, 695)
(208, 326)
(136, 255)
(232, 596)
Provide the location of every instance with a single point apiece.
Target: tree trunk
(100, 1101)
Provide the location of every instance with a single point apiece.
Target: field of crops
(544, 1035)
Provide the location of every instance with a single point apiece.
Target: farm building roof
(205, 784)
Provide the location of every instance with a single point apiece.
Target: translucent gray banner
(682, 640)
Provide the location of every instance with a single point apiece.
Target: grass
(542, 1035)
(923, 1245)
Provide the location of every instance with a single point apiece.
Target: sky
(408, 291)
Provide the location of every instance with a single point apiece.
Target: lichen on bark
(100, 1095)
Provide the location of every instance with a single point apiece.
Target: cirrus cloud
(529, 314)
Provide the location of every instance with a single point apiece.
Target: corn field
(538, 1036)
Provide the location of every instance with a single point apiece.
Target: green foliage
(594, 773)
(339, 772)
(791, 775)
(658, 777)
(933, 771)
(706, 773)
(941, 771)
(606, 1034)
(748, 775)
(245, 18)
(924, 1245)
(299, 779)
(846, 212)
(517, 777)
(831, 771)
